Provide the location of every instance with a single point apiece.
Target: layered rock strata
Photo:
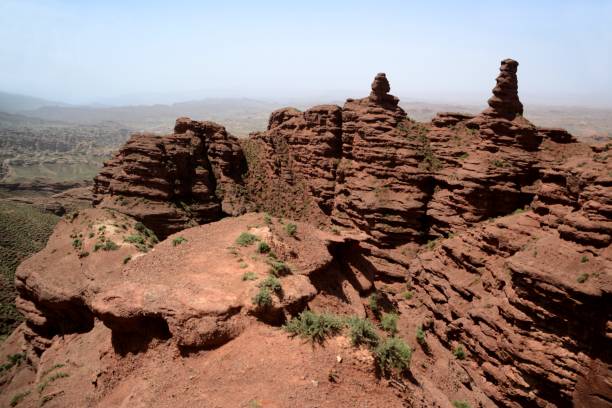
(190, 177)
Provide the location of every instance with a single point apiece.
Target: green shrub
(389, 323)
(459, 352)
(107, 245)
(52, 368)
(140, 227)
(178, 241)
(461, 404)
(420, 335)
(13, 360)
(362, 331)
(246, 239)
(135, 239)
(582, 278)
(243, 265)
(312, 326)
(77, 243)
(17, 398)
(41, 387)
(291, 229)
(263, 248)
(373, 301)
(408, 295)
(267, 219)
(584, 259)
(271, 283)
(254, 404)
(263, 298)
(278, 268)
(393, 354)
(249, 276)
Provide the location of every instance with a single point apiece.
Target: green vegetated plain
(24, 230)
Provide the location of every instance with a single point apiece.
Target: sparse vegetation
(420, 336)
(24, 230)
(17, 398)
(584, 259)
(246, 239)
(263, 298)
(461, 404)
(13, 360)
(389, 323)
(499, 163)
(140, 227)
(249, 276)
(272, 283)
(408, 294)
(106, 245)
(41, 387)
(278, 268)
(178, 241)
(314, 327)
(263, 248)
(291, 229)
(393, 354)
(459, 352)
(267, 219)
(52, 368)
(254, 404)
(431, 244)
(583, 277)
(77, 243)
(362, 332)
(373, 301)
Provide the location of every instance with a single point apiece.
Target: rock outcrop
(505, 102)
(488, 236)
(188, 178)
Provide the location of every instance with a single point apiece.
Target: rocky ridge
(485, 233)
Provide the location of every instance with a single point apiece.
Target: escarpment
(487, 236)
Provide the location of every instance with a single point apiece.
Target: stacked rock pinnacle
(380, 91)
(505, 101)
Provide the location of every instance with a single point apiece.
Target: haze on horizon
(118, 52)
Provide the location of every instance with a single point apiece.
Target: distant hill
(13, 103)
(239, 115)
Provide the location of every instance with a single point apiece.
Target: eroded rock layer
(171, 182)
(488, 236)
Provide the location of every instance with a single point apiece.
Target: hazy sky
(105, 51)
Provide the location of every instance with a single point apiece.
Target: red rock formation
(294, 161)
(190, 177)
(505, 102)
(483, 232)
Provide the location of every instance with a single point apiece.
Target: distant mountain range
(14, 103)
(243, 115)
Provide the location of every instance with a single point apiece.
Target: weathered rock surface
(530, 308)
(484, 232)
(190, 177)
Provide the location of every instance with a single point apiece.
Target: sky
(119, 52)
